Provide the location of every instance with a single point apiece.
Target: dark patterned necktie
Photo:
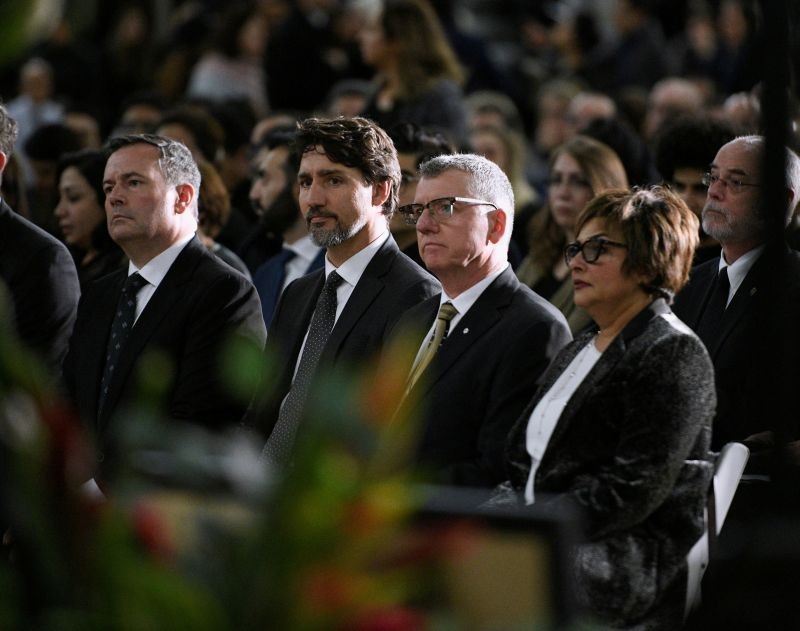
(279, 445)
(710, 324)
(120, 329)
(446, 313)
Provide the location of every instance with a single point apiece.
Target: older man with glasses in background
(483, 342)
(745, 304)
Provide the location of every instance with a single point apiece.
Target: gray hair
(487, 180)
(175, 160)
(757, 143)
(8, 131)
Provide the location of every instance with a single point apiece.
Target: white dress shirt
(738, 269)
(154, 272)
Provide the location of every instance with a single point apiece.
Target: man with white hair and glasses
(483, 342)
(745, 304)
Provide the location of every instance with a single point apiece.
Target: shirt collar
(740, 267)
(304, 248)
(352, 269)
(464, 301)
(156, 268)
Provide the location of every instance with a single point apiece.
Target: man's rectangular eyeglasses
(734, 185)
(441, 209)
(591, 249)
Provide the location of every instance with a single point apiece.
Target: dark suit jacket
(390, 284)
(41, 278)
(481, 378)
(200, 302)
(631, 450)
(756, 355)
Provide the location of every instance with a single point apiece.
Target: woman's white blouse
(545, 415)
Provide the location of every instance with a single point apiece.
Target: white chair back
(728, 471)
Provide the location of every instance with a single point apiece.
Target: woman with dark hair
(621, 424)
(81, 215)
(419, 77)
(579, 169)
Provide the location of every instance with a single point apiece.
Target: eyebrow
(321, 172)
(735, 170)
(126, 175)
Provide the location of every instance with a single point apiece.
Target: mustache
(319, 212)
(713, 206)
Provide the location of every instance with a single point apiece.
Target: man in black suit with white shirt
(752, 333)
(339, 316)
(38, 272)
(501, 335)
(184, 303)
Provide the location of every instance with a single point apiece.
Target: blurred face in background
(569, 190)
(78, 211)
(687, 182)
(491, 147)
(408, 188)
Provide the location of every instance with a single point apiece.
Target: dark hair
(423, 52)
(283, 136)
(206, 130)
(176, 161)
(626, 143)
(90, 164)
(423, 143)
(8, 131)
(356, 143)
(659, 229)
(690, 142)
(50, 142)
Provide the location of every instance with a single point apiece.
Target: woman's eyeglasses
(591, 249)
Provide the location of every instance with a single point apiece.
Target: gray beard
(730, 230)
(324, 238)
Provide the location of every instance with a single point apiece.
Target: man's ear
(497, 225)
(186, 194)
(3, 161)
(380, 192)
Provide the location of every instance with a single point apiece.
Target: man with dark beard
(273, 195)
(745, 304)
(349, 177)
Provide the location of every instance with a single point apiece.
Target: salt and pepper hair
(660, 232)
(486, 180)
(8, 131)
(175, 160)
(758, 145)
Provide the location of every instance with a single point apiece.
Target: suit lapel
(742, 303)
(481, 317)
(160, 305)
(705, 280)
(369, 286)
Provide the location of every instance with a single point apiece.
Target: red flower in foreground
(151, 531)
(390, 619)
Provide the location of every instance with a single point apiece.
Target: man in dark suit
(348, 178)
(273, 194)
(501, 335)
(183, 306)
(38, 272)
(745, 304)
